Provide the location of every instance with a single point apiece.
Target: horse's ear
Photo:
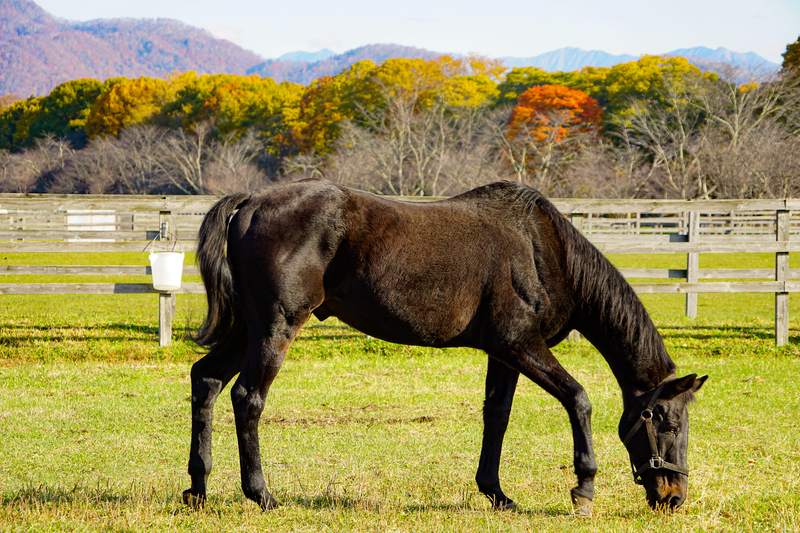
(680, 385)
(698, 383)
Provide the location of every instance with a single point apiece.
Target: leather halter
(656, 462)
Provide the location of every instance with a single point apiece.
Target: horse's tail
(224, 321)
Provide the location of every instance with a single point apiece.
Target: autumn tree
(546, 130)
(15, 123)
(125, 103)
(615, 87)
(324, 104)
(791, 57)
(235, 104)
(64, 112)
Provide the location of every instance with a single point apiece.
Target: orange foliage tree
(546, 131)
(555, 111)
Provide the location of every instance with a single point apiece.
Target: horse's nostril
(675, 501)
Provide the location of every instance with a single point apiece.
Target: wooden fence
(99, 223)
(105, 223)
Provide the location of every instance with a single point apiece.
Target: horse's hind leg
(265, 355)
(209, 376)
(501, 382)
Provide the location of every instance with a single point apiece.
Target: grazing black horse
(497, 268)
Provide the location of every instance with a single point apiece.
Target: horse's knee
(580, 404)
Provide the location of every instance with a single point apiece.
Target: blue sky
(493, 28)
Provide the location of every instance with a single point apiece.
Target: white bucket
(167, 268)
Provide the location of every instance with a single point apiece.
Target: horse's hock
(32, 223)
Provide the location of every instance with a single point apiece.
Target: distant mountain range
(569, 59)
(39, 51)
(305, 71)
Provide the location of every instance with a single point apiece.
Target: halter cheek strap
(656, 462)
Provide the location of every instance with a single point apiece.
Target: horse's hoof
(581, 505)
(507, 505)
(269, 504)
(194, 500)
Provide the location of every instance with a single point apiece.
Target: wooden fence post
(166, 300)
(692, 262)
(782, 275)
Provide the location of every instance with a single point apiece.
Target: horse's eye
(672, 429)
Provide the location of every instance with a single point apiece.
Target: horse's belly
(398, 322)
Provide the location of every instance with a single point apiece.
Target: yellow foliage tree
(16, 121)
(364, 89)
(127, 102)
(234, 103)
(614, 87)
(324, 104)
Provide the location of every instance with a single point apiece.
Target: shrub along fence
(111, 223)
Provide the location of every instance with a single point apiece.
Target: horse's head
(655, 430)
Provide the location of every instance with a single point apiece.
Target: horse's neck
(626, 337)
(609, 313)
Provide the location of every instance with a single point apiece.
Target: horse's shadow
(45, 494)
(111, 332)
(706, 333)
(324, 502)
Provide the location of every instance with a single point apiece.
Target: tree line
(658, 127)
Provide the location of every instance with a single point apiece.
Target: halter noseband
(656, 462)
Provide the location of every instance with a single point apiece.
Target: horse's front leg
(501, 382)
(534, 360)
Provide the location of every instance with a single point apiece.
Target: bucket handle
(158, 236)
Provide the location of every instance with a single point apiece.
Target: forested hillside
(38, 51)
(656, 127)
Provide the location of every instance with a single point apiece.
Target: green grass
(362, 435)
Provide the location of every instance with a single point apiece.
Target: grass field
(362, 435)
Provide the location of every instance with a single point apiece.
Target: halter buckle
(656, 462)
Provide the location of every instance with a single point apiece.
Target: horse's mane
(602, 288)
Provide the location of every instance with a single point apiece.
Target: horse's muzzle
(666, 498)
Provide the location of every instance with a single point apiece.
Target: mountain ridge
(39, 51)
